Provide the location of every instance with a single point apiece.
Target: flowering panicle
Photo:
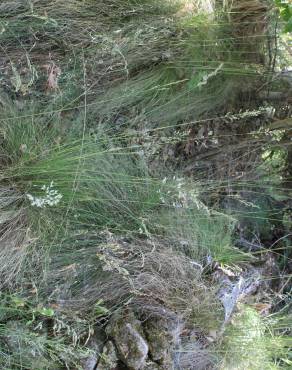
(50, 198)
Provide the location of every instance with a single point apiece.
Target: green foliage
(202, 234)
(83, 218)
(254, 342)
(97, 185)
(47, 312)
(25, 341)
(285, 8)
(100, 310)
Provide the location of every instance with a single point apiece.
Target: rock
(90, 362)
(109, 359)
(229, 295)
(163, 335)
(95, 345)
(126, 331)
(159, 343)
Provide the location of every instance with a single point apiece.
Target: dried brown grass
(250, 17)
(146, 275)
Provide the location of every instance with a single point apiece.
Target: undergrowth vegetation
(145, 166)
(259, 343)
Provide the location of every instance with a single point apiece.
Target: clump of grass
(145, 275)
(99, 189)
(87, 185)
(27, 342)
(55, 186)
(34, 154)
(254, 342)
(159, 61)
(67, 194)
(198, 70)
(204, 235)
(105, 191)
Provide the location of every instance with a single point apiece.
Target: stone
(109, 359)
(163, 335)
(95, 345)
(127, 334)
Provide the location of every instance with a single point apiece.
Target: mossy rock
(127, 334)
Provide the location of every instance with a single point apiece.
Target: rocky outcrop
(143, 343)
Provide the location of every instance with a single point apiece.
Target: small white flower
(51, 197)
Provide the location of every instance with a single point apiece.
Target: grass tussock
(90, 224)
(145, 275)
(26, 327)
(255, 342)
